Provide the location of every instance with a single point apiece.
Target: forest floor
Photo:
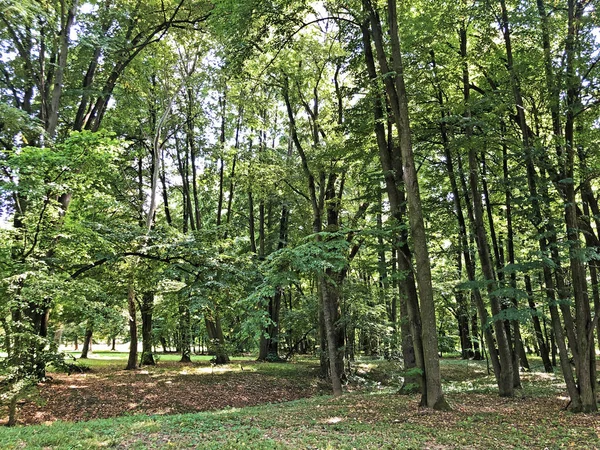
(106, 390)
(204, 406)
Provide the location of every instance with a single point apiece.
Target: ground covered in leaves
(169, 388)
(371, 415)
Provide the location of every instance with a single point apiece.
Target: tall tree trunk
(518, 341)
(463, 310)
(223, 104)
(396, 91)
(512, 334)
(251, 221)
(585, 364)
(67, 20)
(504, 373)
(391, 162)
(317, 208)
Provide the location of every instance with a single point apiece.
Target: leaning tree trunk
(396, 92)
(87, 343)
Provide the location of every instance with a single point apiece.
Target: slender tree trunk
(396, 91)
(504, 372)
(67, 20)
(539, 335)
(391, 162)
(518, 341)
(269, 345)
(185, 331)
(87, 343)
(223, 103)
(317, 208)
(251, 229)
(133, 342)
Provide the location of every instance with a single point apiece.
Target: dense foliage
(336, 178)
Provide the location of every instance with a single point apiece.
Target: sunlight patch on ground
(212, 370)
(334, 420)
(115, 357)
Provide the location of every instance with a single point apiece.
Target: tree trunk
(397, 96)
(185, 331)
(328, 306)
(543, 347)
(330, 334)
(133, 344)
(269, 344)
(146, 310)
(87, 343)
(585, 363)
(217, 340)
(391, 162)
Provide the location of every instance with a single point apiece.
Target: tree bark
(133, 344)
(87, 343)
(185, 331)
(146, 311)
(539, 335)
(217, 340)
(397, 96)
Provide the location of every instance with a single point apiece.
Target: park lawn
(370, 416)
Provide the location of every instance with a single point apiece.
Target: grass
(353, 421)
(372, 417)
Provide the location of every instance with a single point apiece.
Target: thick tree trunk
(269, 344)
(146, 311)
(217, 340)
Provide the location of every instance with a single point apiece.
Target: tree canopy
(334, 178)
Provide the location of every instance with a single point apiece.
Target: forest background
(335, 178)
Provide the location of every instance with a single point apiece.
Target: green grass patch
(371, 417)
(353, 421)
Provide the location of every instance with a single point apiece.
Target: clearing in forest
(200, 405)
